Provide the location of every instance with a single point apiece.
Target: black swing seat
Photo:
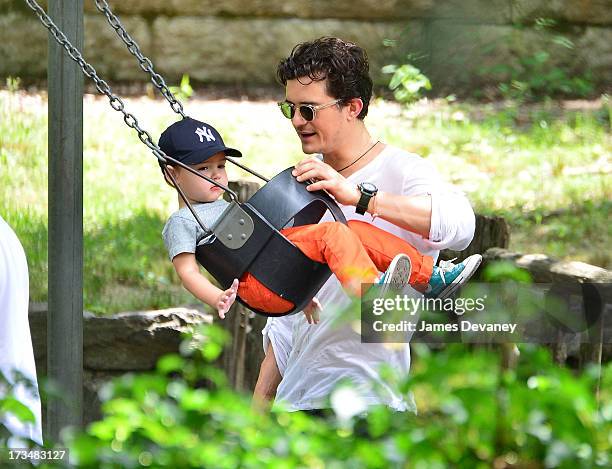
(247, 239)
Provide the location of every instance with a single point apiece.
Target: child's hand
(312, 311)
(227, 298)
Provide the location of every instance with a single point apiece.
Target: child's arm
(199, 286)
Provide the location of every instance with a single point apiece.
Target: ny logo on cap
(205, 132)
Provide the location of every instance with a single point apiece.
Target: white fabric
(15, 342)
(314, 358)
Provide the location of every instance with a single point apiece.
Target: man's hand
(326, 178)
(227, 298)
(312, 311)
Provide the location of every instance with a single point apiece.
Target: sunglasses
(307, 111)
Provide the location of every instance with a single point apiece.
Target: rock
(545, 269)
(461, 44)
(473, 11)
(93, 382)
(122, 342)
(346, 9)
(593, 346)
(11, 6)
(500, 254)
(116, 344)
(594, 50)
(591, 50)
(467, 55)
(491, 11)
(207, 48)
(576, 11)
(23, 46)
(464, 55)
(574, 270)
(107, 52)
(137, 340)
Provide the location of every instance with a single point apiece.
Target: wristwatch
(368, 190)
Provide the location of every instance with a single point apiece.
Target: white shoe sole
(400, 269)
(471, 265)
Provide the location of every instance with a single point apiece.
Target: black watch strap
(362, 205)
(366, 194)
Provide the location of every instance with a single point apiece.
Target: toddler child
(355, 253)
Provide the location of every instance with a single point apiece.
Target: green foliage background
(473, 413)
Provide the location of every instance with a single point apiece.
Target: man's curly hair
(344, 64)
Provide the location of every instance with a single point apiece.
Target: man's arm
(267, 382)
(412, 213)
(445, 220)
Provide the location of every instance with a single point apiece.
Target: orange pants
(354, 253)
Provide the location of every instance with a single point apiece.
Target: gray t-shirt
(182, 231)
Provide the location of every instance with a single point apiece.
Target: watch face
(368, 187)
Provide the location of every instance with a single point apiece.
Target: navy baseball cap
(192, 142)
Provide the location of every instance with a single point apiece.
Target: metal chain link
(102, 86)
(116, 103)
(145, 63)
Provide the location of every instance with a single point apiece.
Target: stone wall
(241, 41)
(117, 344)
(575, 349)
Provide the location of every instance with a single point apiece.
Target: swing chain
(118, 105)
(102, 86)
(145, 63)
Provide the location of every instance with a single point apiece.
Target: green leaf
(10, 405)
(170, 363)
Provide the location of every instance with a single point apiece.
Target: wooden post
(65, 320)
(591, 351)
(489, 232)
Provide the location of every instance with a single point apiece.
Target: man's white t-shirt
(15, 342)
(313, 359)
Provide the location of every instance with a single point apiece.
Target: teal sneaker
(396, 276)
(447, 277)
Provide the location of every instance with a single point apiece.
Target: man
(16, 354)
(328, 89)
